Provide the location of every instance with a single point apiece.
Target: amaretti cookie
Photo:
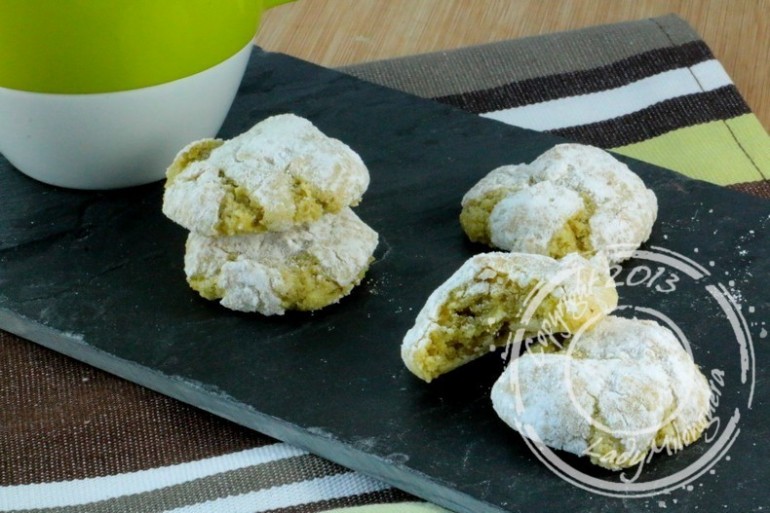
(492, 295)
(281, 173)
(613, 394)
(572, 198)
(304, 268)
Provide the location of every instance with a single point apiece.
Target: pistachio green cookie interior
(238, 211)
(206, 286)
(308, 287)
(241, 213)
(574, 237)
(195, 152)
(471, 324)
(474, 216)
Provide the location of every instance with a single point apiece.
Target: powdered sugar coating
(528, 219)
(262, 272)
(510, 178)
(272, 168)
(624, 209)
(620, 210)
(613, 394)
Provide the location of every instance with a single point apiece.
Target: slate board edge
(221, 405)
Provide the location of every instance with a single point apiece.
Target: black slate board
(98, 276)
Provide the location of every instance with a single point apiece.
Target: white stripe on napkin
(85, 491)
(304, 492)
(613, 103)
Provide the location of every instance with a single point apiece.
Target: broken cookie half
(493, 295)
(614, 393)
(281, 173)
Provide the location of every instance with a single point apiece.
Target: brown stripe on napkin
(760, 189)
(559, 85)
(682, 111)
(389, 496)
(62, 420)
(496, 64)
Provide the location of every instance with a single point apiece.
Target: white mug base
(114, 140)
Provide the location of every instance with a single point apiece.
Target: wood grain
(339, 32)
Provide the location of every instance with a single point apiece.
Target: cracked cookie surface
(614, 393)
(305, 268)
(572, 198)
(489, 298)
(281, 173)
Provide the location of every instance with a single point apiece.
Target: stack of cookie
(589, 383)
(271, 228)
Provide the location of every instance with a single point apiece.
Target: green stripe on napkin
(729, 152)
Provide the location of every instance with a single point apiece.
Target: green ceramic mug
(102, 93)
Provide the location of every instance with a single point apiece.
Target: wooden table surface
(339, 32)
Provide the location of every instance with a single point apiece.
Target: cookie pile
(590, 383)
(270, 219)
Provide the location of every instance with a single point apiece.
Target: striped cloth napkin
(74, 439)
(650, 89)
